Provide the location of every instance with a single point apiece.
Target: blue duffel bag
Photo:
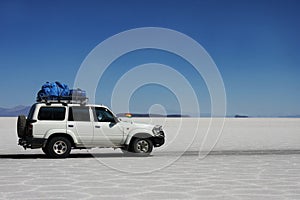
(53, 91)
(63, 89)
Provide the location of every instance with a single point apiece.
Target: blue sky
(255, 45)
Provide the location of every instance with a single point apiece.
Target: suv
(59, 127)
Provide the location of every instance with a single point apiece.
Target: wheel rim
(142, 146)
(60, 147)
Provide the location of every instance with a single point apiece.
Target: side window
(103, 115)
(52, 113)
(79, 114)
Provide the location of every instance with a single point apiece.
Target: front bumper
(32, 143)
(159, 139)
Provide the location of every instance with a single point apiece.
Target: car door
(79, 122)
(107, 130)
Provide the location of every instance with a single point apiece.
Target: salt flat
(252, 159)
(215, 177)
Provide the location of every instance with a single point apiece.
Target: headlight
(157, 130)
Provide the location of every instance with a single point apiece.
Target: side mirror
(112, 123)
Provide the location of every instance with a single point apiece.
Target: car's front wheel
(142, 146)
(58, 147)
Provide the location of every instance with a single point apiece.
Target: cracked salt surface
(215, 177)
(254, 174)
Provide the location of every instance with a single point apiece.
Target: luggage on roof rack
(58, 92)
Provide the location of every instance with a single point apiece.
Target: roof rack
(64, 100)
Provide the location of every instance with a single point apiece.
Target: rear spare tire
(21, 125)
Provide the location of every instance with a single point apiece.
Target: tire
(21, 125)
(142, 146)
(58, 147)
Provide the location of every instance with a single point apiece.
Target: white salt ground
(253, 159)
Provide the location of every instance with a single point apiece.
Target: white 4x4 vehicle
(59, 127)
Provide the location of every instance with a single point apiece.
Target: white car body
(85, 126)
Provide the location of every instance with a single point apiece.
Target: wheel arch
(69, 137)
(62, 132)
(137, 135)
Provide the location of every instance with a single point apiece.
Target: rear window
(31, 112)
(52, 113)
(79, 114)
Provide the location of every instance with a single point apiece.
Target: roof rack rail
(64, 101)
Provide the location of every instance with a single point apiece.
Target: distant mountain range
(150, 115)
(15, 111)
(24, 110)
(290, 116)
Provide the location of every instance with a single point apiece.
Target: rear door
(49, 117)
(79, 122)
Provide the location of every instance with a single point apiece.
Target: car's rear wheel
(142, 146)
(21, 125)
(58, 147)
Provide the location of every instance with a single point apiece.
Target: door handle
(97, 126)
(70, 125)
